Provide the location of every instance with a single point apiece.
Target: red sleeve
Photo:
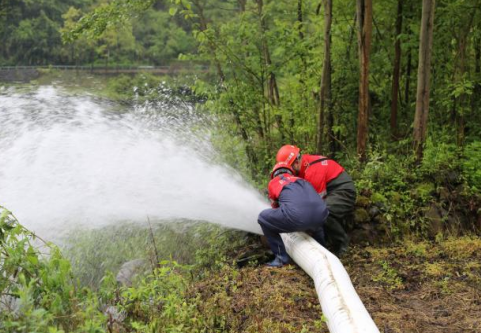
(275, 188)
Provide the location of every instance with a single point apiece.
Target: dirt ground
(417, 287)
(421, 287)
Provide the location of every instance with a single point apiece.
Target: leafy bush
(439, 158)
(37, 290)
(472, 165)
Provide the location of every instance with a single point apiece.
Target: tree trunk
(477, 73)
(396, 70)
(424, 70)
(302, 73)
(299, 18)
(408, 77)
(409, 17)
(203, 27)
(272, 89)
(364, 19)
(242, 5)
(325, 93)
(461, 100)
(460, 70)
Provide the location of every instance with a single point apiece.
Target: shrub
(472, 165)
(39, 287)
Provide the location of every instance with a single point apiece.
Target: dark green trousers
(340, 203)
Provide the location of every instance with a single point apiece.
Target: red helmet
(279, 166)
(287, 154)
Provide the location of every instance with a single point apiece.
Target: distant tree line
(30, 34)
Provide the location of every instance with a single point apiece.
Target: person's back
(297, 199)
(319, 171)
(296, 207)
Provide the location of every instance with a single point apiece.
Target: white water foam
(75, 161)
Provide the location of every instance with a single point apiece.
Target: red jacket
(277, 184)
(319, 173)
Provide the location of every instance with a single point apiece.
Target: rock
(129, 270)
(361, 216)
(114, 314)
(453, 177)
(362, 201)
(115, 319)
(435, 220)
(444, 194)
(374, 211)
(10, 304)
(362, 236)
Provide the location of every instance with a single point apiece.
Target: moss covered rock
(362, 201)
(361, 216)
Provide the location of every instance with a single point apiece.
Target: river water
(76, 161)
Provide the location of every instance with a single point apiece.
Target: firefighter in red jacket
(296, 206)
(332, 183)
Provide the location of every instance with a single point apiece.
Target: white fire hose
(340, 303)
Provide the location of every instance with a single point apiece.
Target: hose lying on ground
(340, 303)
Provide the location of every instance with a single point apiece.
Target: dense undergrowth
(41, 292)
(397, 198)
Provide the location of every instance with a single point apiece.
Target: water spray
(77, 161)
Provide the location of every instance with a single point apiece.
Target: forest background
(353, 80)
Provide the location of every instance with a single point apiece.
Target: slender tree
(364, 19)
(424, 70)
(461, 67)
(475, 97)
(325, 94)
(396, 70)
(272, 88)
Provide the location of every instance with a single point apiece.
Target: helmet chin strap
(281, 171)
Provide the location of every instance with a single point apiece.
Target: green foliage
(43, 296)
(37, 290)
(158, 303)
(388, 276)
(94, 253)
(439, 156)
(472, 165)
(105, 16)
(404, 192)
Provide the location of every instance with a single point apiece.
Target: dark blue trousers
(301, 209)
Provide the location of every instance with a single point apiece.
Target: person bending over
(332, 183)
(296, 206)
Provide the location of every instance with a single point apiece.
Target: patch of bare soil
(418, 287)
